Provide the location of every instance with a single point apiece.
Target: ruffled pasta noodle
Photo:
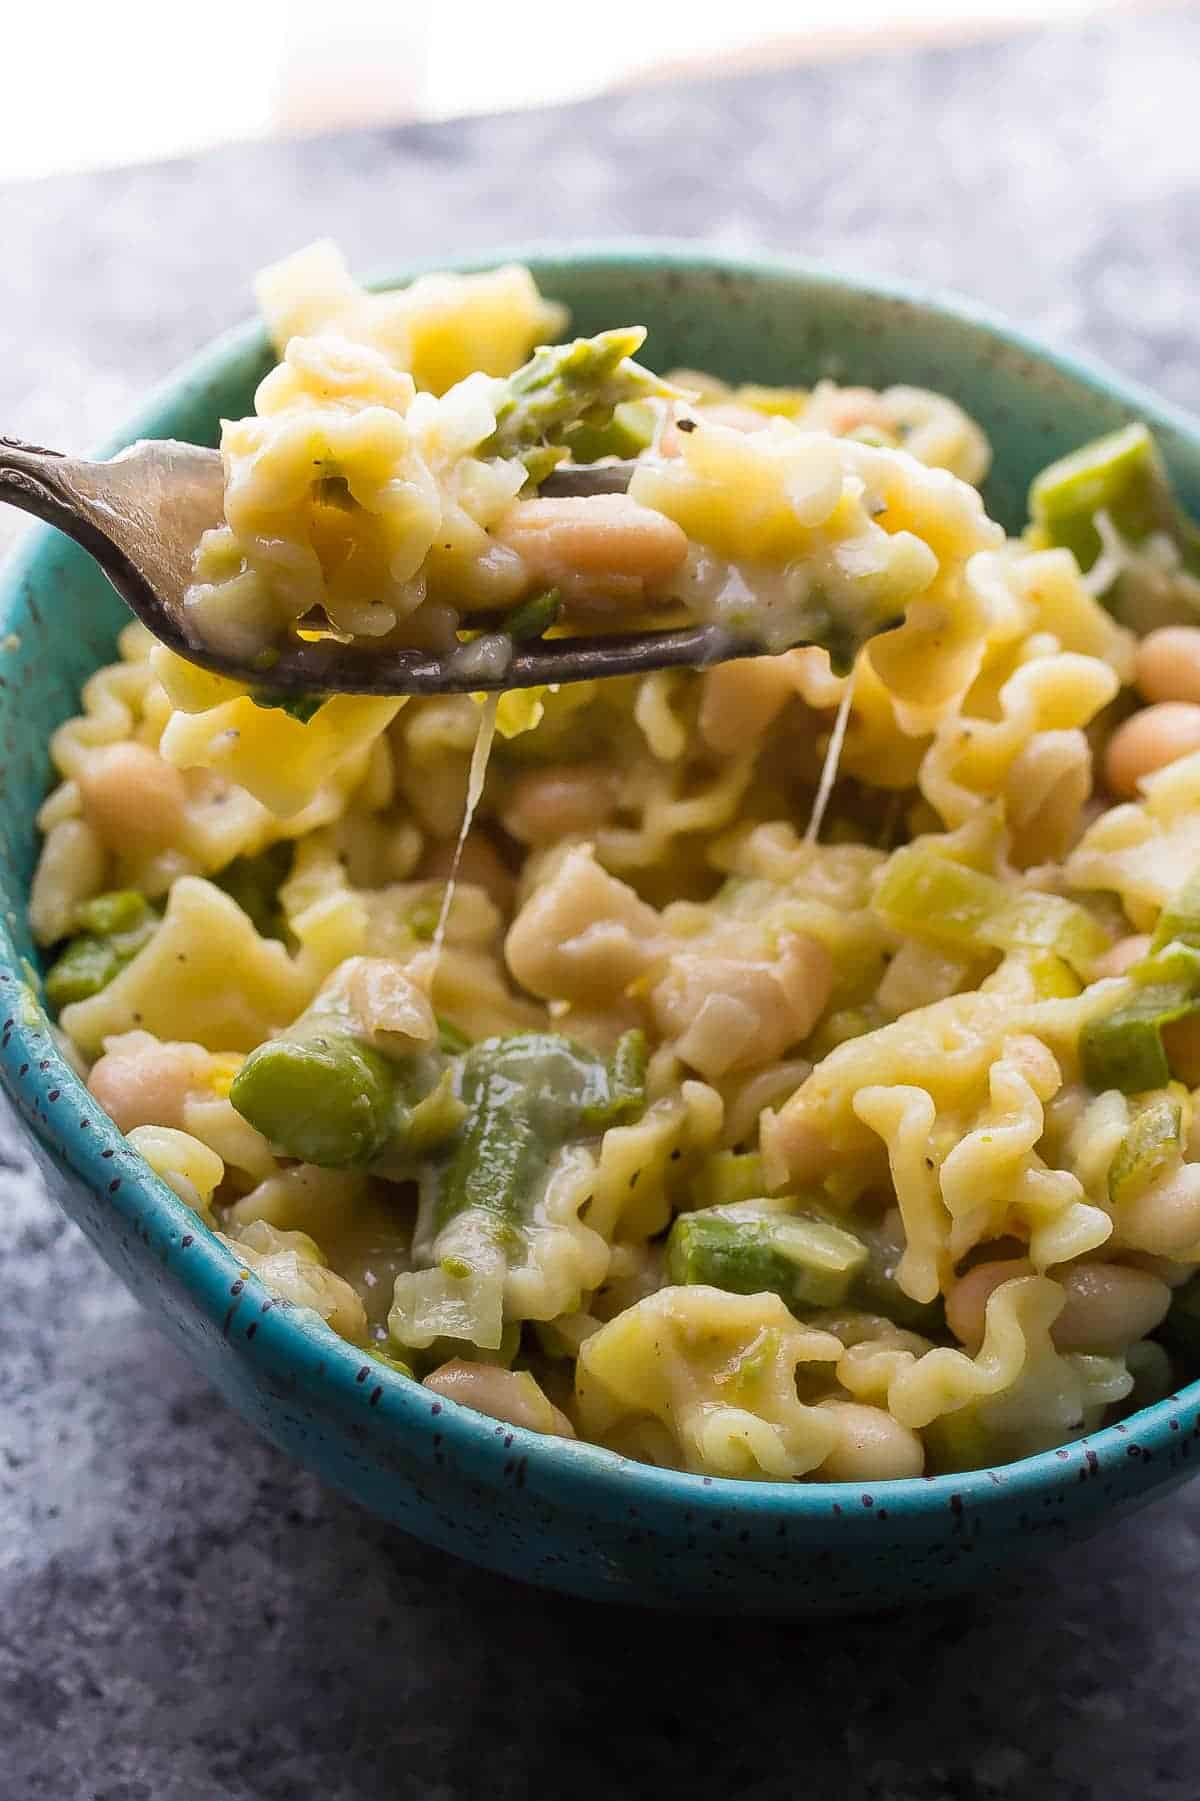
(744, 1141)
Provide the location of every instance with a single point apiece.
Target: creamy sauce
(480, 757)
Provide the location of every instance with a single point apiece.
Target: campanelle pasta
(668, 1113)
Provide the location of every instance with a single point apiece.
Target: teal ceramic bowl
(565, 1515)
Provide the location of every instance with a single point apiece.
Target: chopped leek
(1123, 476)
(1151, 1145)
(1125, 1050)
(928, 896)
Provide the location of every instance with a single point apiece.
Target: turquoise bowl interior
(569, 1516)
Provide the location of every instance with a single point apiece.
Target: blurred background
(146, 80)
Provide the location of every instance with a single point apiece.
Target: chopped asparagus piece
(534, 616)
(112, 929)
(450, 1039)
(565, 385)
(526, 1097)
(627, 434)
(326, 1099)
(749, 1248)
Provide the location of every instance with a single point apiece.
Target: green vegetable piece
(1179, 921)
(526, 1097)
(326, 1099)
(1047, 923)
(1149, 1148)
(569, 384)
(1122, 475)
(1181, 1328)
(748, 1248)
(1052, 978)
(1125, 1050)
(112, 930)
(534, 617)
(86, 966)
(728, 1176)
(296, 706)
(254, 883)
(450, 1040)
(124, 910)
(625, 1096)
(629, 432)
(927, 896)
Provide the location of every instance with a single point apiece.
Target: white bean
(481, 865)
(140, 1081)
(1148, 742)
(1165, 1220)
(1108, 1306)
(132, 798)
(871, 1446)
(1167, 666)
(584, 543)
(511, 1395)
(967, 1299)
(562, 801)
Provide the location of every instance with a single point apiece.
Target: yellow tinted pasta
(752, 1136)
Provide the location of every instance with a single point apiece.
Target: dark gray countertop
(185, 1616)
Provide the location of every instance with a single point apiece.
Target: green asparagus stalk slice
(326, 1099)
(749, 1248)
(812, 1262)
(111, 930)
(534, 616)
(627, 434)
(525, 1098)
(565, 385)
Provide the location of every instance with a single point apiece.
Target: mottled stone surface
(183, 1615)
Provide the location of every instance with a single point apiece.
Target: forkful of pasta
(578, 517)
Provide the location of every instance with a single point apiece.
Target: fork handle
(39, 481)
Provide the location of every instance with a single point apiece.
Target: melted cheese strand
(829, 771)
(480, 757)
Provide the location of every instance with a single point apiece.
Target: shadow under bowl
(570, 1516)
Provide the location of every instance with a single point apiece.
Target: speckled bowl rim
(294, 1346)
